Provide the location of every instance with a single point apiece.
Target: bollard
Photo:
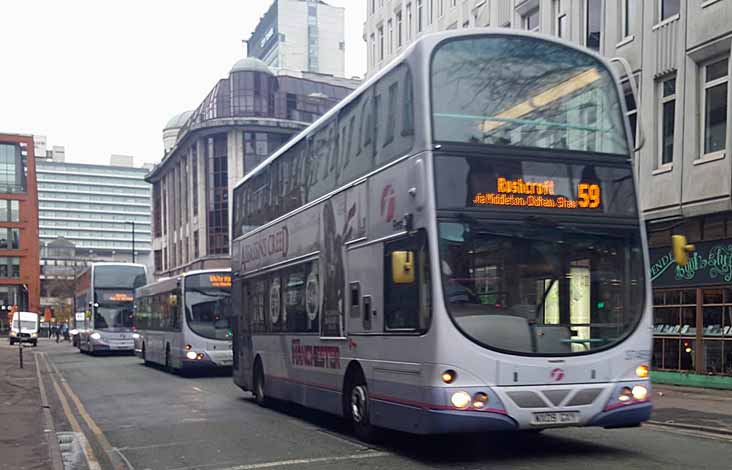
(20, 353)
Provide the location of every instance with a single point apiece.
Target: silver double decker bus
(104, 292)
(182, 322)
(455, 247)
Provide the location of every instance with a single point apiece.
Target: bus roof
(433, 39)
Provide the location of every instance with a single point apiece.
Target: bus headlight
(96, 336)
(642, 371)
(191, 355)
(640, 392)
(34, 335)
(460, 399)
(200, 356)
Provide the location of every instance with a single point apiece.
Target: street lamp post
(132, 222)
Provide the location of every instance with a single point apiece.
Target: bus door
(242, 340)
(364, 292)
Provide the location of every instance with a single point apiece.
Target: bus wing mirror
(681, 249)
(402, 267)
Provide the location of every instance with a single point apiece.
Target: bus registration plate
(555, 419)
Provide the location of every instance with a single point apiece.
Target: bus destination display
(520, 193)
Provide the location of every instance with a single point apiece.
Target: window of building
(9, 210)
(531, 20)
(559, 8)
(632, 107)
(390, 31)
(593, 24)
(431, 13)
(373, 49)
(668, 9)
(12, 173)
(218, 197)
(9, 238)
(158, 260)
(627, 20)
(10, 267)
(714, 106)
(667, 119)
(373, 6)
(420, 16)
(410, 20)
(441, 4)
(196, 250)
(194, 180)
(399, 29)
(380, 34)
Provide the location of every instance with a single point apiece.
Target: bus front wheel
(258, 386)
(358, 410)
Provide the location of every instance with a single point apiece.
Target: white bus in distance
(457, 246)
(182, 322)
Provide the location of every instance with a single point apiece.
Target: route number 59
(589, 195)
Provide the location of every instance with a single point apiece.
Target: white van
(26, 331)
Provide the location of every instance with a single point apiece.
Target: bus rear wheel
(258, 387)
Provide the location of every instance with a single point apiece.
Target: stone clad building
(679, 53)
(245, 118)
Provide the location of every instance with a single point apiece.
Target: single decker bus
(457, 246)
(104, 292)
(182, 322)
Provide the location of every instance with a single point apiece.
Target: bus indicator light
(642, 371)
(449, 376)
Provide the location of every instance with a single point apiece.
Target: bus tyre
(258, 386)
(144, 356)
(359, 411)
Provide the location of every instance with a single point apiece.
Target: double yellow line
(64, 393)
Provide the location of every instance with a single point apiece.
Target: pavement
(112, 412)
(700, 409)
(26, 435)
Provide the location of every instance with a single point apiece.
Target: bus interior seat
(501, 331)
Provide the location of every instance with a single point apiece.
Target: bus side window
(406, 298)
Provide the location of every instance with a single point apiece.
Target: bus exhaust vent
(527, 400)
(585, 397)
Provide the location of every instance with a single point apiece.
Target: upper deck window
(520, 91)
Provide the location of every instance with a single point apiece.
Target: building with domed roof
(244, 118)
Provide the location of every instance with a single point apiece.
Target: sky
(104, 77)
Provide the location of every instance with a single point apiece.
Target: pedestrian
(58, 333)
(66, 332)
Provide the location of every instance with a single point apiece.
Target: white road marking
(288, 463)
(155, 446)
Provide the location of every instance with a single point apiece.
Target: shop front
(693, 310)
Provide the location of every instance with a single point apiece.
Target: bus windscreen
(526, 92)
(208, 304)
